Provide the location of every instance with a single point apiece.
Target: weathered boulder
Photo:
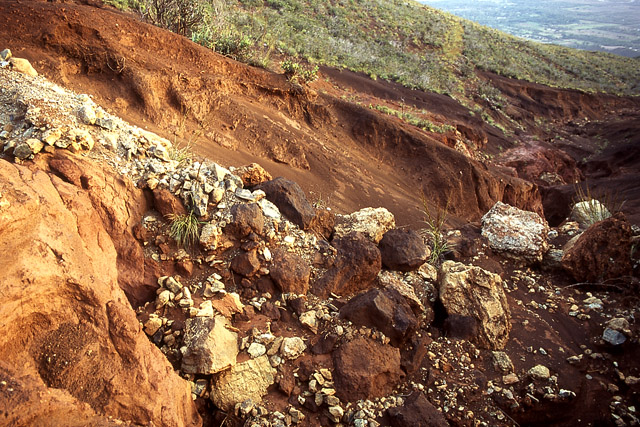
(471, 291)
(246, 380)
(290, 199)
(372, 222)
(246, 263)
(389, 281)
(290, 272)
(365, 369)
(602, 252)
(417, 411)
(247, 218)
(62, 302)
(356, 265)
(515, 233)
(253, 174)
(210, 346)
(403, 250)
(166, 203)
(385, 310)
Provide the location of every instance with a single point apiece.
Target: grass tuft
(184, 229)
(434, 230)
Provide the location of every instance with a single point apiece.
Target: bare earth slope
(341, 152)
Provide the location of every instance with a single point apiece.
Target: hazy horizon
(604, 25)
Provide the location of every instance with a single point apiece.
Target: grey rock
(539, 372)
(613, 337)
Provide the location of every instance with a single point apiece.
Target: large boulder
(385, 310)
(417, 411)
(290, 199)
(602, 252)
(365, 369)
(210, 346)
(372, 222)
(246, 380)
(470, 291)
(290, 272)
(78, 335)
(515, 233)
(356, 265)
(403, 250)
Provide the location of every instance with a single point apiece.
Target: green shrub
(180, 16)
(298, 73)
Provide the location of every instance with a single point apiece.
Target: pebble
(539, 372)
(256, 350)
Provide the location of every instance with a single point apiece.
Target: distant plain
(605, 25)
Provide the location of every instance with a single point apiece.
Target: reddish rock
(365, 369)
(602, 252)
(290, 199)
(253, 174)
(385, 310)
(246, 263)
(403, 250)
(357, 264)
(247, 219)
(415, 353)
(417, 411)
(166, 203)
(78, 334)
(323, 223)
(290, 272)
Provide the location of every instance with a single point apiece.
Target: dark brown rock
(166, 203)
(403, 250)
(460, 327)
(325, 344)
(247, 219)
(602, 252)
(356, 265)
(290, 199)
(270, 310)
(415, 352)
(290, 272)
(417, 411)
(297, 304)
(246, 263)
(365, 369)
(385, 310)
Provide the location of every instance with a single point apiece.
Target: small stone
(510, 379)
(173, 285)
(613, 337)
(256, 350)
(5, 55)
(23, 66)
(87, 114)
(502, 362)
(539, 372)
(292, 348)
(152, 325)
(336, 413)
(309, 320)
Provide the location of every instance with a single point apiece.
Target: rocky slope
(284, 313)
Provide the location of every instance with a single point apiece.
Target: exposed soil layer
(343, 153)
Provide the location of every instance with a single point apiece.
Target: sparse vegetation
(184, 229)
(299, 73)
(434, 229)
(423, 124)
(406, 42)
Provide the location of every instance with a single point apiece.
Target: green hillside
(399, 40)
